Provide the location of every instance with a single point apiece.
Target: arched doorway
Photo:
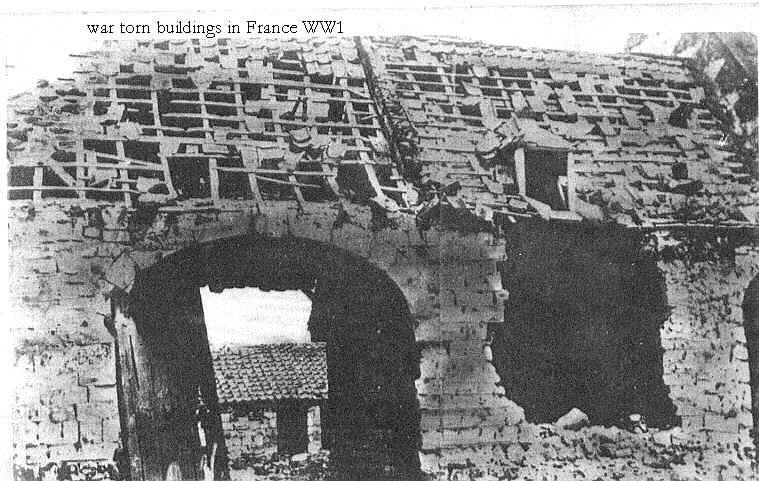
(751, 328)
(357, 310)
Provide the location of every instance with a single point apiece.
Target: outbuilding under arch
(357, 310)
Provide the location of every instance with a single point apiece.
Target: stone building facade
(270, 399)
(420, 191)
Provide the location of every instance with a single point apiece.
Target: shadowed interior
(751, 326)
(582, 327)
(372, 358)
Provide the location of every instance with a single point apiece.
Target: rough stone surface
(84, 246)
(249, 437)
(573, 420)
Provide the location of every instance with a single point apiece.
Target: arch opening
(271, 380)
(357, 312)
(751, 328)
(582, 329)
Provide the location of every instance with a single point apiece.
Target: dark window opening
(104, 146)
(145, 151)
(50, 178)
(234, 185)
(354, 183)
(20, 177)
(292, 429)
(582, 329)
(546, 177)
(276, 187)
(190, 178)
(133, 94)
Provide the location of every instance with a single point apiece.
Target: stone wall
(439, 247)
(65, 403)
(68, 260)
(314, 426)
(251, 436)
(67, 408)
(64, 271)
(706, 358)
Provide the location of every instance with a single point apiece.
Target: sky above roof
(251, 316)
(37, 46)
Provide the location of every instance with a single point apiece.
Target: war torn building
(490, 237)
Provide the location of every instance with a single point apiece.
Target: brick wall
(706, 358)
(314, 427)
(251, 436)
(64, 273)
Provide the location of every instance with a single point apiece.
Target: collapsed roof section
(206, 120)
(639, 144)
(425, 126)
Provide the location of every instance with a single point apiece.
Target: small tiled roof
(271, 372)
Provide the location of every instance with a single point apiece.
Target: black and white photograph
(505, 244)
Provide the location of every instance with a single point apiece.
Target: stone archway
(357, 310)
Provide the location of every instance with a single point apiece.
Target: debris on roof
(644, 149)
(398, 124)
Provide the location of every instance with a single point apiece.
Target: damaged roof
(643, 148)
(205, 119)
(271, 372)
(405, 124)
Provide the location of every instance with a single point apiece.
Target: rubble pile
(301, 466)
(603, 453)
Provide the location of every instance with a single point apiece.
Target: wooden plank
(237, 118)
(253, 170)
(127, 386)
(296, 187)
(268, 83)
(37, 184)
(59, 170)
(213, 177)
(40, 188)
(96, 166)
(284, 147)
(371, 175)
(520, 170)
(159, 135)
(250, 163)
(81, 165)
(124, 174)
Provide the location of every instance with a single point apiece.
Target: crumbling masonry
(490, 236)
